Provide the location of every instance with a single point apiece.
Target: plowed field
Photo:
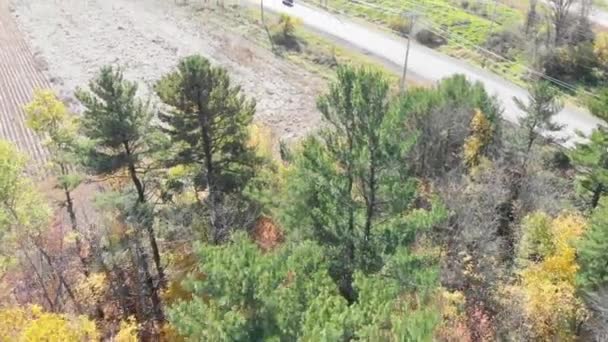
(19, 77)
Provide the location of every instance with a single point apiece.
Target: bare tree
(531, 17)
(559, 12)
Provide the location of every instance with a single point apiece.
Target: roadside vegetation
(518, 42)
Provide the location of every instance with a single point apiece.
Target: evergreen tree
(118, 126)
(543, 105)
(593, 250)
(599, 105)
(350, 189)
(240, 293)
(592, 277)
(592, 158)
(207, 119)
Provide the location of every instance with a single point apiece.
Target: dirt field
(147, 37)
(19, 76)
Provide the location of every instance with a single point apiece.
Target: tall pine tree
(208, 118)
(592, 158)
(350, 188)
(118, 125)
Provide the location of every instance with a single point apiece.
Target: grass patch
(314, 52)
(601, 4)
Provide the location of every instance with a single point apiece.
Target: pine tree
(118, 124)
(208, 118)
(593, 250)
(350, 189)
(592, 158)
(543, 105)
(241, 293)
(593, 275)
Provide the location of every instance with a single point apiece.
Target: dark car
(288, 3)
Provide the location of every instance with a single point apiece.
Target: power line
(464, 42)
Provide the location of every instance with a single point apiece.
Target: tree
(592, 158)
(600, 47)
(531, 18)
(49, 117)
(592, 251)
(117, 124)
(24, 218)
(208, 118)
(481, 134)
(593, 276)
(241, 293)
(543, 105)
(350, 189)
(559, 13)
(442, 117)
(34, 324)
(546, 289)
(599, 105)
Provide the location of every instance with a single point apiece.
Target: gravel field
(74, 38)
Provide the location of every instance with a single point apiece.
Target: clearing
(148, 37)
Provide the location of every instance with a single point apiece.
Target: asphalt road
(425, 63)
(599, 17)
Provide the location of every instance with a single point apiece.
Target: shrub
(429, 38)
(573, 64)
(558, 160)
(600, 48)
(400, 25)
(504, 43)
(283, 32)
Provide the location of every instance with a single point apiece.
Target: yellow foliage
(481, 134)
(33, 324)
(601, 48)
(260, 139)
(92, 288)
(453, 303)
(169, 334)
(547, 287)
(127, 331)
(12, 322)
(47, 114)
(45, 109)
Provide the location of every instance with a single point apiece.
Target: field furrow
(19, 78)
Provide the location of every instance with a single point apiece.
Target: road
(424, 62)
(599, 17)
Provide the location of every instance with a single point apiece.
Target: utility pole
(411, 17)
(490, 31)
(266, 27)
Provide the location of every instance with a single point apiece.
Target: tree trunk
(597, 194)
(148, 226)
(214, 196)
(45, 292)
(138, 185)
(74, 223)
(371, 200)
(157, 310)
(59, 274)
